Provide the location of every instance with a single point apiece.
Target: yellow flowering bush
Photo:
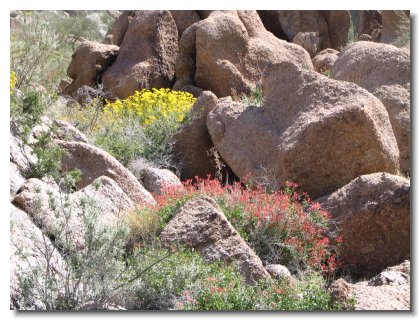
(153, 105)
(13, 81)
(140, 126)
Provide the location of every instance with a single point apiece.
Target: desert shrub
(42, 45)
(255, 98)
(184, 281)
(284, 227)
(404, 30)
(95, 269)
(225, 290)
(26, 111)
(141, 126)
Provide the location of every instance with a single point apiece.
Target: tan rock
(157, 181)
(369, 20)
(278, 271)
(383, 70)
(64, 83)
(331, 25)
(16, 178)
(270, 19)
(324, 135)
(94, 162)
(201, 225)
(54, 211)
(121, 25)
(373, 217)
(193, 141)
(184, 19)
(147, 55)
(325, 60)
(340, 292)
(30, 250)
(247, 49)
(308, 41)
(21, 154)
(386, 291)
(88, 64)
(392, 23)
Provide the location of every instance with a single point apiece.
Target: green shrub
(284, 227)
(141, 126)
(44, 41)
(404, 30)
(256, 98)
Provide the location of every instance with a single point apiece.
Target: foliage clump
(141, 126)
(285, 227)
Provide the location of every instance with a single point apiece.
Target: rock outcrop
(94, 162)
(20, 153)
(332, 26)
(193, 142)
(383, 70)
(369, 20)
(184, 19)
(247, 50)
(389, 290)
(30, 252)
(201, 225)
(147, 55)
(373, 217)
(393, 23)
(325, 60)
(61, 215)
(16, 178)
(121, 25)
(324, 135)
(88, 64)
(157, 181)
(308, 41)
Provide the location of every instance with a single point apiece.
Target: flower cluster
(284, 227)
(153, 105)
(13, 81)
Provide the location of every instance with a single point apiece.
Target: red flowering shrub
(284, 227)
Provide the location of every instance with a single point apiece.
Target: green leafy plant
(256, 98)
(141, 126)
(43, 42)
(284, 227)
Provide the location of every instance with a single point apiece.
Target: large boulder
(184, 19)
(369, 20)
(393, 24)
(94, 162)
(389, 290)
(318, 132)
(332, 26)
(325, 60)
(157, 181)
(147, 55)
(201, 225)
(20, 153)
(88, 64)
(270, 20)
(193, 142)
(247, 49)
(383, 70)
(308, 41)
(31, 253)
(121, 25)
(373, 217)
(60, 215)
(16, 178)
